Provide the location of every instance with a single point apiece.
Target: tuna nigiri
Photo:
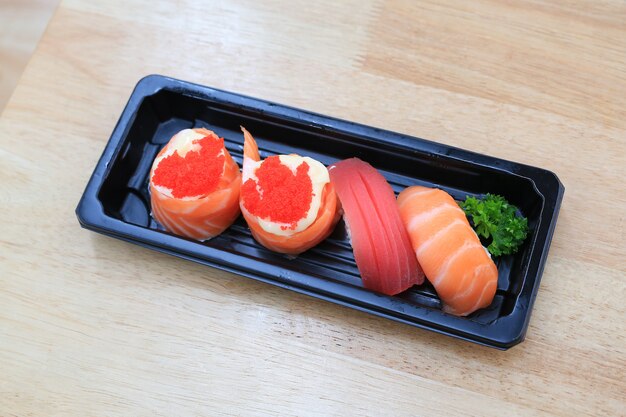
(287, 200)
(448, 249)
(194, 185)
(381, 245)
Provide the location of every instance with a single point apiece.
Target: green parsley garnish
(495, 219)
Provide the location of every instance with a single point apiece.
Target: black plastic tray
(116, 202)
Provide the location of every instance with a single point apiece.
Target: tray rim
(99, 222)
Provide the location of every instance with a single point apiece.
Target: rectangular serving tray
(116, 202)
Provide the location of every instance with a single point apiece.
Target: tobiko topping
(278, 194)
(198, 173)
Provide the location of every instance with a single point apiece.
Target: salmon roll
(448, 249)
(287, 200)
(194, 185)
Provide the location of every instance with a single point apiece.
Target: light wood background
(22, 22)
(93, 326)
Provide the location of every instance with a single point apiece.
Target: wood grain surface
(22, 22)
(92, 326)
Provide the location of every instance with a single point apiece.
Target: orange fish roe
(284, 197)
(197, 174)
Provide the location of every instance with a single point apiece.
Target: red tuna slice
(381, 245)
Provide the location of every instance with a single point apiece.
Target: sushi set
(400, 227)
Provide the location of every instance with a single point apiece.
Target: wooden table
(94, 326)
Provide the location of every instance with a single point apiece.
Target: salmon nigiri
(448, 250)
(287, 200)
(194, 185)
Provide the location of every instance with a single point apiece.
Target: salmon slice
(194, 190)
(448, 249)
(288, 215)
(381, 245)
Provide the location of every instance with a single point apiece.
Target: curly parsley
(494, 218)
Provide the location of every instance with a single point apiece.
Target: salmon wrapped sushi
(287, 200)
(194, 185)
(448, 249)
